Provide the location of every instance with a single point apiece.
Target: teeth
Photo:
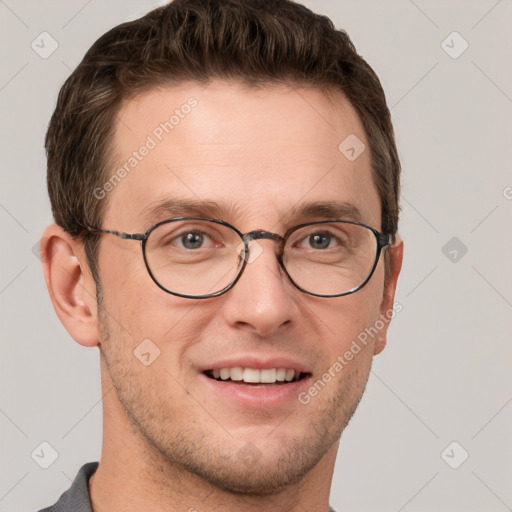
(251, 375)
(268, 376)
(255, 376)
(236, 373)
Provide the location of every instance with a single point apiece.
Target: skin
(169, 443)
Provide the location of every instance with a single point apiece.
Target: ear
(388, 308)
(70, 284)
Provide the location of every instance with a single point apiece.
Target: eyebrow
(342, 210)
(168, 208)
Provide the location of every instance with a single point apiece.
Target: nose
(263, 300)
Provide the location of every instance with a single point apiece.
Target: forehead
(258, 154)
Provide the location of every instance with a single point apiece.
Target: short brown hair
(254, 41)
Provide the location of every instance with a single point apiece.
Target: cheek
(136, 309)
(144, 319)
(350, 318)
(130, 296)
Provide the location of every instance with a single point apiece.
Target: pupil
(319, 241)
(192, 240)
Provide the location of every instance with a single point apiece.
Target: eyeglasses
(198, 258)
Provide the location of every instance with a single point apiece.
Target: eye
(201, 238)
(191, 240)
(319, 240)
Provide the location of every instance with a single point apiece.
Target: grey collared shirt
(76, 498)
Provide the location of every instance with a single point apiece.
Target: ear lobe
(387, 306)
(70, 284)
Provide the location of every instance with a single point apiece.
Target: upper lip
(258, 363)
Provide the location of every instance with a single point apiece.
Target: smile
(255, 376)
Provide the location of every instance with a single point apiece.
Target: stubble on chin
(196, 445)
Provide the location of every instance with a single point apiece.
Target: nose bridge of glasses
(259, 234)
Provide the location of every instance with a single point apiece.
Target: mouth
(256, 377)
(251, 383)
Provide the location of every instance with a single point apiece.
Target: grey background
(445, 374)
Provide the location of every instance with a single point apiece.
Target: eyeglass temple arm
(124, 236)
(386, 239)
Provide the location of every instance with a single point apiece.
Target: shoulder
(76, 498)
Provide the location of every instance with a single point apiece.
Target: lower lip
(268, 397)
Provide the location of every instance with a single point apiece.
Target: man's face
(257, 155)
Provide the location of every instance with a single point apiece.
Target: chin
(256, 477)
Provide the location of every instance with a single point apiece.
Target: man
(224, 181)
